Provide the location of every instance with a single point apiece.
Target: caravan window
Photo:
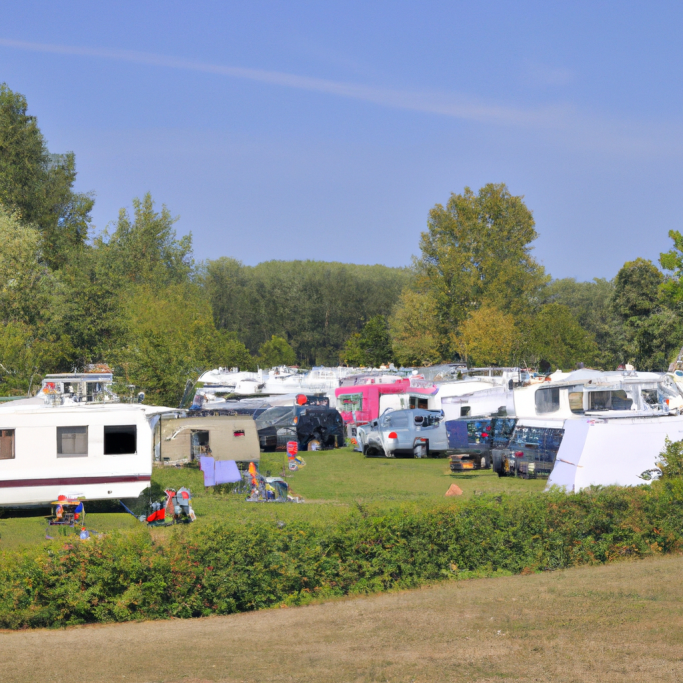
(6, 444)
(609, 400)
(199, 444)
(419, 403)
(72, 442)
(547, 400)
(120, 439)
(576, 399)
(351, 402)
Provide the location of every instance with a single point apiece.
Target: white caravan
(611, 450)
(92, 451)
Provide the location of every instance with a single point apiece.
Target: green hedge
(223, 568)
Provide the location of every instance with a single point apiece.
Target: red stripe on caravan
(69, 481)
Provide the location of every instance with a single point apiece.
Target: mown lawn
(331, 482)
(612, 623)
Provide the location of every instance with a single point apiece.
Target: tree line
(133, 296)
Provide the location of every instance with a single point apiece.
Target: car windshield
(275, 416)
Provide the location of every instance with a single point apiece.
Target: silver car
(411, 432)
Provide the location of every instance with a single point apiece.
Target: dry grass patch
(621, 622)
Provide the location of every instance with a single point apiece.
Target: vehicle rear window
(397, 421)
(274, 416)
(502, 430)
(478, 431)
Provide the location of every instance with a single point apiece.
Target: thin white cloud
(434, 103)
(557, 124)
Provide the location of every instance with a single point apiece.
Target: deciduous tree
(487, 337)
(414, 327)
(39, 185)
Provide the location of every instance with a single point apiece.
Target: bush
(670, 465)
(224, 568)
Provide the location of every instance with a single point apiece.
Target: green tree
(146, 250)
(672, 261)
(554, 336)
(487, 337)
(477, 249)
(276, 351)
(372, 346)
(591, 304)
(39, 185)
(25, 357)
(25, 281)
(170, 337)
(647, 305)
(414, 329)
(315, 305)
(636, 290)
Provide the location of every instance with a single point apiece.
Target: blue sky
(327, 130)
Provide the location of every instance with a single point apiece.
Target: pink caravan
(361, 403)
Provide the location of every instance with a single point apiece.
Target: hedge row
(223, 568)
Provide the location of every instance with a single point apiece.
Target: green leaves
(316, 306)
(226, 568)
(372, 347)
(276, 351)
(39, 185)
(477, 248)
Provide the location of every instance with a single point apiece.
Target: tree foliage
(371, 347)
(414, 326)
(591, 303)
(169, 337)
(38, 185)
(315, 306)
(477, 249)
(554, 337)
(275, 352)
(487, 337)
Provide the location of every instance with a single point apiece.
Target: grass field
(612, 623)
(331, 483)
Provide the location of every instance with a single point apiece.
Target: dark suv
(314, 427)
(472, 440)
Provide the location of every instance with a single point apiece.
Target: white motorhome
(592, 392)
(90, 451)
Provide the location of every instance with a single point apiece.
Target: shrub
(225, 568)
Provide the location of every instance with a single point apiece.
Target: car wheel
(314, 445)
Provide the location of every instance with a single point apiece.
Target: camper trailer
(90, 451)
(187, 437)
